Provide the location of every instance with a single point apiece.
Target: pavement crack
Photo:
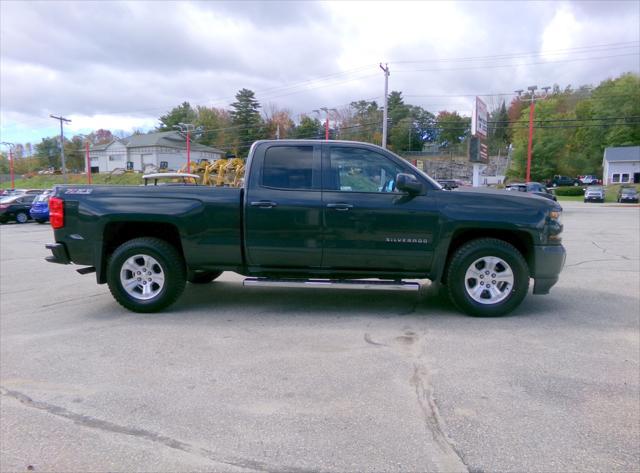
(111, 427)
(369, 340)
(598, 246)
(448, 457)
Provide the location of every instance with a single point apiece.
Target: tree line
(572, 128)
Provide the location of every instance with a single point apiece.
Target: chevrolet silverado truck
(311, 213)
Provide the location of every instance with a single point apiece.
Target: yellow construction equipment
(221, 172)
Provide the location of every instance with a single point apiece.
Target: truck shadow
(431, 301)
(231, 296)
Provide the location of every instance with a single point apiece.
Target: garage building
(621, 165)
(163, 150)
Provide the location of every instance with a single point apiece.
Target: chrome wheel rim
(142, 277)
(489, 280)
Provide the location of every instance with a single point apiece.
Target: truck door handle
(264, 204)
(340, 206)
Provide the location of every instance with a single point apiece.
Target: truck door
(368, 224)
(283, 212)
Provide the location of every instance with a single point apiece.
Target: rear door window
(288, 167)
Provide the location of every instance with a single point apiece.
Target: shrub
(577, 190)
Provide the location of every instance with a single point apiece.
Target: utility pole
(10, 146)
(384, 111)
(64, 166)
(532, 105)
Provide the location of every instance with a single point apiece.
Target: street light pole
(10, 146)
(86, 149)
(532, 104)
(186, 128)
(384, 111)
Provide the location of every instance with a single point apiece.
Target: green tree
(246, 118)
(48, 150)
(452, 128)
(499, 132)
(183, 113)
(309, 128)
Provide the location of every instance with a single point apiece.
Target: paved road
(235, 379)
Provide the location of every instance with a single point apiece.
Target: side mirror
(408, 183)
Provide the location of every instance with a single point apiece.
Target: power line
(497, 66)
(620, 45)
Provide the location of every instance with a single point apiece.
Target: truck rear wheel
(487, 277)
(202, 277)
(146, 274)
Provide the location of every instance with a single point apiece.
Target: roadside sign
(479, 119)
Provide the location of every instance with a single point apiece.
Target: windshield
(629, 190)
(42, 198)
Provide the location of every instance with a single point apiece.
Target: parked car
(532, 187)
(628, 194)
(590, 180)
(40, 208)
(10, 192)
(16, 207)
(448, 184)
(559, 181)
(594, 194)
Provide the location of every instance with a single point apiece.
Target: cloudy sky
(120, 65)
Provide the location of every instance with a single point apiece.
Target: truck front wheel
(146, 274)
(487, 277)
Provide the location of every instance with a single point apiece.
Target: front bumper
(594, 198)
(548, 263)
(59, 252)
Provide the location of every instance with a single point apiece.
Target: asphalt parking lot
(237, 379)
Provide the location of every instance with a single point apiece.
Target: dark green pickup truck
(328, 214)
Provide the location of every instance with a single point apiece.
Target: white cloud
(123, 64)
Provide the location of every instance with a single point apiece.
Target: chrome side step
(334, 284)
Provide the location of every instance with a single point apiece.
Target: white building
(163, 150)
(621, 165)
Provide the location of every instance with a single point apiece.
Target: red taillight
(56, 212)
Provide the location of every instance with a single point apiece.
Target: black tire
(202, 277)
(22, 217)
(169, 262)
(462, 260)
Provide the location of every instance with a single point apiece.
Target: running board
(334, 284)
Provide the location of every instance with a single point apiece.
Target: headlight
(555, 226)
(556, 215)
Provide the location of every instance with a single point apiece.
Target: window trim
(613, 177)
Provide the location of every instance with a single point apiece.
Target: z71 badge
(78, 191)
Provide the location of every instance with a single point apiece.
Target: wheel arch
(117, 233)
(521, 240)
